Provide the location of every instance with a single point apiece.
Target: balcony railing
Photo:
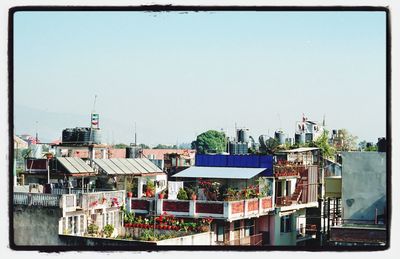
(36, 199)
(98, 200)
(199, 208)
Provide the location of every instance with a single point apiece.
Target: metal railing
(36, 199)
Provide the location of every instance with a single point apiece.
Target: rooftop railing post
(192, 209)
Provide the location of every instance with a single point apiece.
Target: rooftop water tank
(280, 137)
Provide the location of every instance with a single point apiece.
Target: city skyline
(179, 74)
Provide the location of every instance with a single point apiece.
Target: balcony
(92, 201)
(227, 210)
(36, 199)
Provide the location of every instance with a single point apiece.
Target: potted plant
(108, 230)
(150, 189)
(161, 195)
(182, 195)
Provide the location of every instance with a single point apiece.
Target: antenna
(36, 132)
(135, 136)
(323, 121)
(94, 103)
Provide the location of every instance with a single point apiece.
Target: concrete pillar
(104, 153)
(241, 232)
(231, 229)
(66, 224)
(78, 225)
(192, 208)
(159, 206)
(140, 187)
(84, 224)
(73, 225)
(227, 210)
(128, 204)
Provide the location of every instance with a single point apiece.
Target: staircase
(296, 196)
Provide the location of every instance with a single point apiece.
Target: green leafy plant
(150, 188)
(93, 229)
(182, 195)
(108, 230)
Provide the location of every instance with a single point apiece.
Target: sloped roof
(120, 166)
(297, 150)
(75, 165)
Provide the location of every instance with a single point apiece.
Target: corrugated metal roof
(127, 166)
(75, 165)
(220, 172)
(151, 165)
(103, 165)
(121, 166)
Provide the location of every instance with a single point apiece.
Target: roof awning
(297, 150)
(75, 165)
(124, 166)
(220, 172)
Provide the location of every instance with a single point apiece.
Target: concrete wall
(282, 239)
(36, 225)
(363, 185)
(197, 239)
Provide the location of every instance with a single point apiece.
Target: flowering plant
(114, 201)
(211, 189)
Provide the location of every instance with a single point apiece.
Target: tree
(211, 141)
(162, 146)
(120, 145)
(367, 146)
(268, 146)
(144, 146)
(322, 142)
(345, 141)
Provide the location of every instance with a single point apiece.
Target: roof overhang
(220, 172)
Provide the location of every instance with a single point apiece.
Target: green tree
(269, 146)
(144, 146)
(345, 141)
(120, 145)
(162, 146)
(322, 142)
(211, 141)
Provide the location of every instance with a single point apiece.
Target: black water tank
(68, 135)
(381, 144)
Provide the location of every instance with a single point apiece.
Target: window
(249, 227)
(220, 233)
(286, 224)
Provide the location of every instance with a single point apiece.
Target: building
(298, 186)
(307, 131)
(131, 174)
(364, 205)
(170, 163)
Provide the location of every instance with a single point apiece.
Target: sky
(178, 74)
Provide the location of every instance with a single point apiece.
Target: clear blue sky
(179, 74)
